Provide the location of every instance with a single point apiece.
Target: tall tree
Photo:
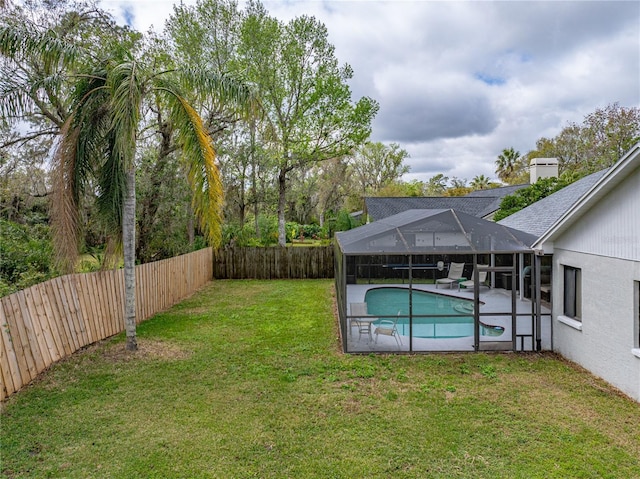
(610, 132)
(33, 80)
(39, 41)
(100, 135)
(308, 113)
(376, 165)
(458, 187)
(507, 165)
(598, 142)
(332, 188)
(436, 185)
(481, 182)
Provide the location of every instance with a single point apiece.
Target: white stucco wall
(607, 343)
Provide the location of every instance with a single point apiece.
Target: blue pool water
(387, 301)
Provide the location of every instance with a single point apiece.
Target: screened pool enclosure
(438, 280)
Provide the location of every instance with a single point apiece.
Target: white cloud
(459, 81)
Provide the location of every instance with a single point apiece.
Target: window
(636, 326)
(572, 292)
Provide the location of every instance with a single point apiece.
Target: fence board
(72, 304)
(52, 311)
(41, 330)
(33, 343)
(120, 287)
(63, 309)
(112, 326)
(11, 378)
(49, 324)
(273, 263)
(51, 320)
(87, 321)
(97, 295)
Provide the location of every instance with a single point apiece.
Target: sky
(459, 81)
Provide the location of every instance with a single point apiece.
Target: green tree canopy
(308, 113)
(375, 166)
(598, 142)
(532, 193)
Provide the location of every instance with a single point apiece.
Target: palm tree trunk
(129, 245)
(282, 204)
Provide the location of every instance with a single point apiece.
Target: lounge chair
(482, 278)
(455, 275)
(389, 327)
(361, 319)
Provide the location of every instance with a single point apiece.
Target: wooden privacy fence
(311, 262)
(51, 320)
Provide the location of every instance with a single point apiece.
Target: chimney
(542, 168)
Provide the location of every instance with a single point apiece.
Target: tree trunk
(129, 245)
(282, 190)
(254, 180)
(191, 228)
(151, 201)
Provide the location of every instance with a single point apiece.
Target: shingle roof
(480, 203)
(497, 194)
(537, 218)
(382, 207)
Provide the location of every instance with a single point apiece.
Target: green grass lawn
(245, 379)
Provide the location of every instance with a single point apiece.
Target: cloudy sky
(457, 81)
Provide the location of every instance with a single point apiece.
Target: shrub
(26, 256)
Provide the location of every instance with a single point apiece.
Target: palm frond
(112, 183)
(126, 90)
(98, 149)
(14, 98)
(225, 88)
(84, 152)
(18, 42)
(65, 221)
(204, 176)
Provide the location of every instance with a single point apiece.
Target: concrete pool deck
(495, 301)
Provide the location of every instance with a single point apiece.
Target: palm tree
(507, 164)
(99, 140)
(480, 182)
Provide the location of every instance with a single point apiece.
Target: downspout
(514, 304)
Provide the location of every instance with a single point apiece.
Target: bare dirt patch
(147, 349)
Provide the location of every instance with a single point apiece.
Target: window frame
(636, 313)
(572, 292)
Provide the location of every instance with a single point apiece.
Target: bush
(312, 231)
(527, 196)
(26, 256)
(238, 235)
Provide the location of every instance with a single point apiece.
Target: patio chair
(360, 318)
(389, 327)
(482, 278)
(455, 275)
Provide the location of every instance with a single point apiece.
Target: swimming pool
(387, 301)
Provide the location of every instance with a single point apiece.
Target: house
(588, 236)
(480, 203)
(595, 243)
